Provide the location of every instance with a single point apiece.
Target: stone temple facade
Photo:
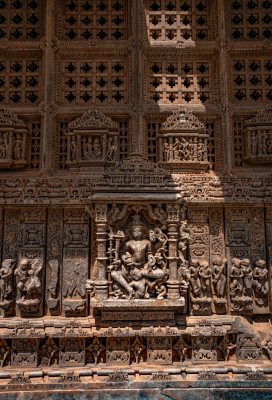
(135, 199)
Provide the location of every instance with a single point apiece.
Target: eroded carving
(29, 285)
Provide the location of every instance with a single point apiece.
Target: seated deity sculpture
(139, 271)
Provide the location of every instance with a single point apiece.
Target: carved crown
(182, 120)
(8, 118)
(262, 117)
(93, 118)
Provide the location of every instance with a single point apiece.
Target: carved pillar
(68, 149)
(116, 155)
(10, 144)
(78, 150)
(24, 135)
(104, 148)
(160, 144)
(172, 225)
(101, 284)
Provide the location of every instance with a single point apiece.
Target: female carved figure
(6, 281)
(194, 278)
(205, 274)
(236, 278)
(97, 152)
(87, 147)
(110, 149)
(260, 282)
(18, 147)
(247, 272)
(73, 148)
(219, 277)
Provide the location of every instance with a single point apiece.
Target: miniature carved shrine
(136, 199)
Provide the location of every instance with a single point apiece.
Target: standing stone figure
(260, 285)
(6, 283)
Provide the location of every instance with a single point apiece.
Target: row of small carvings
(124, 375)
(11, 329)
(244, 286)
(116, 351)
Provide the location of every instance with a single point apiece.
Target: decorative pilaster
(101, 284)
(172, 225)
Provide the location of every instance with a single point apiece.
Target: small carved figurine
(260, 283)
(18, 147)
(29, 285)
(219, 277)
(6, 282)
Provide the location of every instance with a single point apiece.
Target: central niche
(138, 261)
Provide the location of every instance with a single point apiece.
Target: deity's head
(245, 262)
(260, 263)
(24, 263)
(137, 228)
(235, 261)
(7, 263)
(96, 144)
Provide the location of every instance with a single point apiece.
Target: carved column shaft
(101, 284)
(10, 145)
(68, 149)
(173, 284)
(24, 133)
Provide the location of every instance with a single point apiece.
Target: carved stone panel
(199, 233)
(75, 262)
(75, 273)
(118, 351)
(159, 350)
(92, 139)
(183, 141)
(13, 141)
(54, 260)
(24, 353)
(258, 137)
(257, 246)
(204, 349)
(238, 232)
(248, 348)
(11, 233)
(72, 352)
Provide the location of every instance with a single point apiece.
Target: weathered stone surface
(135, 199)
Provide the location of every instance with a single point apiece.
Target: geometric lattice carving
(97, 20)
(21, 20)
(180, 82)
(35, 153)
(19, 81)
(252, 79)
(250, 20)
(100, 81)
(178, 20)
(238, 143)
